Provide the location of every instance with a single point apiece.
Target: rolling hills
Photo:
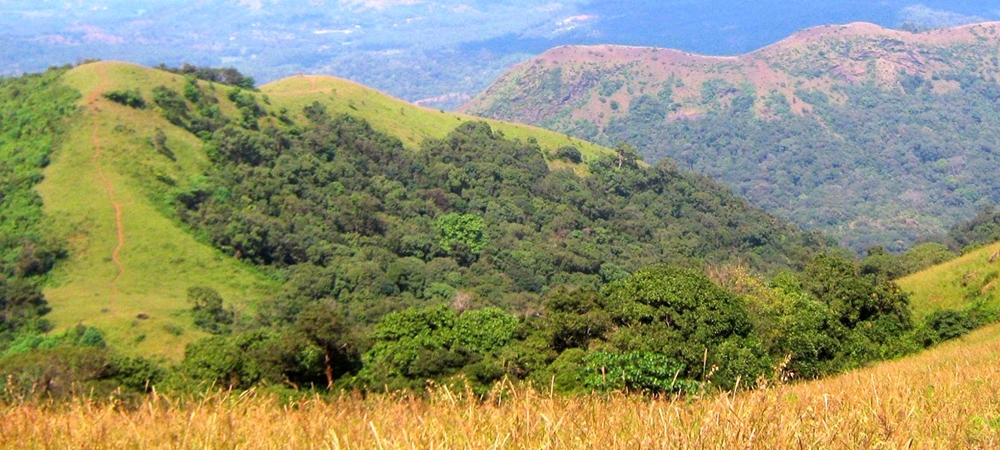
(439, 51)
(131, 261)
(111, 193)
(876, 136)
(316, 231)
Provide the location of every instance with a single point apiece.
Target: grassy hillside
(129, 264)
(108, 192)
(944, 398)
(957, 283)
(876, 136)
(411, 124)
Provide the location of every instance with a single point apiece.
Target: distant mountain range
(439, 51)
(878, 136)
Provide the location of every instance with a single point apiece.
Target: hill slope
(956, 284)
(117, 185)
(876, 136)
(409, 123)
(126, 257)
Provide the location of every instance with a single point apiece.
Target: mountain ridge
(676, 61)
(829, 80)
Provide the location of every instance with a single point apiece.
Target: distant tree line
(225, 75)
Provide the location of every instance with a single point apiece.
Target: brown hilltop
(595, 83)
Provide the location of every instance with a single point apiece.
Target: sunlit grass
(948, 397)
(954, 284)
(411, 124)
(161, 259)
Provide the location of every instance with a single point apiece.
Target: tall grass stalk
(945, 398)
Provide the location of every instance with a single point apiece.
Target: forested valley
(887, 167)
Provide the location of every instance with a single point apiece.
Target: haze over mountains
(441, 51)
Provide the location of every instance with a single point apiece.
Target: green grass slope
(134, 288)
(410, 123)
(956, 284)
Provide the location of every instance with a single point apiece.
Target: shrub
(129, 97)
(569, 153)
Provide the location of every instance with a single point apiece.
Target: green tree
(462, 235)
(329, 330)
(644, 372)
(208, 311)
(681, 314)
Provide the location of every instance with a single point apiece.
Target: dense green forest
(876, 137)
(470, 260)
(886, 167)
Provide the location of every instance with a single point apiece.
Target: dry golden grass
(945, 398)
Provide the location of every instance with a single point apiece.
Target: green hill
(134, 287)
(405, 121)
(141, 139)
(875, 136)
(102, 184)
(956, 284)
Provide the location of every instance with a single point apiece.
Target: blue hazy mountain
(417, 49)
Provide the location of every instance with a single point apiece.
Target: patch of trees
(33, 109)
(983, 229)
(473, 215)
(663, 329)
(472, 260)
(224, 75)
(196, 109)
(128, 97)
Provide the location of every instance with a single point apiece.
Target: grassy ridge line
(944, 398)
(410, 123)
(160, 259)
(954, 284)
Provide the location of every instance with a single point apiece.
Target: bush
(130, 97)
(636, 371)
(569, 153)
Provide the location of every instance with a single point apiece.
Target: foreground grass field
(948, 397)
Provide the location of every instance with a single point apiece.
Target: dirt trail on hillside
(92, 99)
